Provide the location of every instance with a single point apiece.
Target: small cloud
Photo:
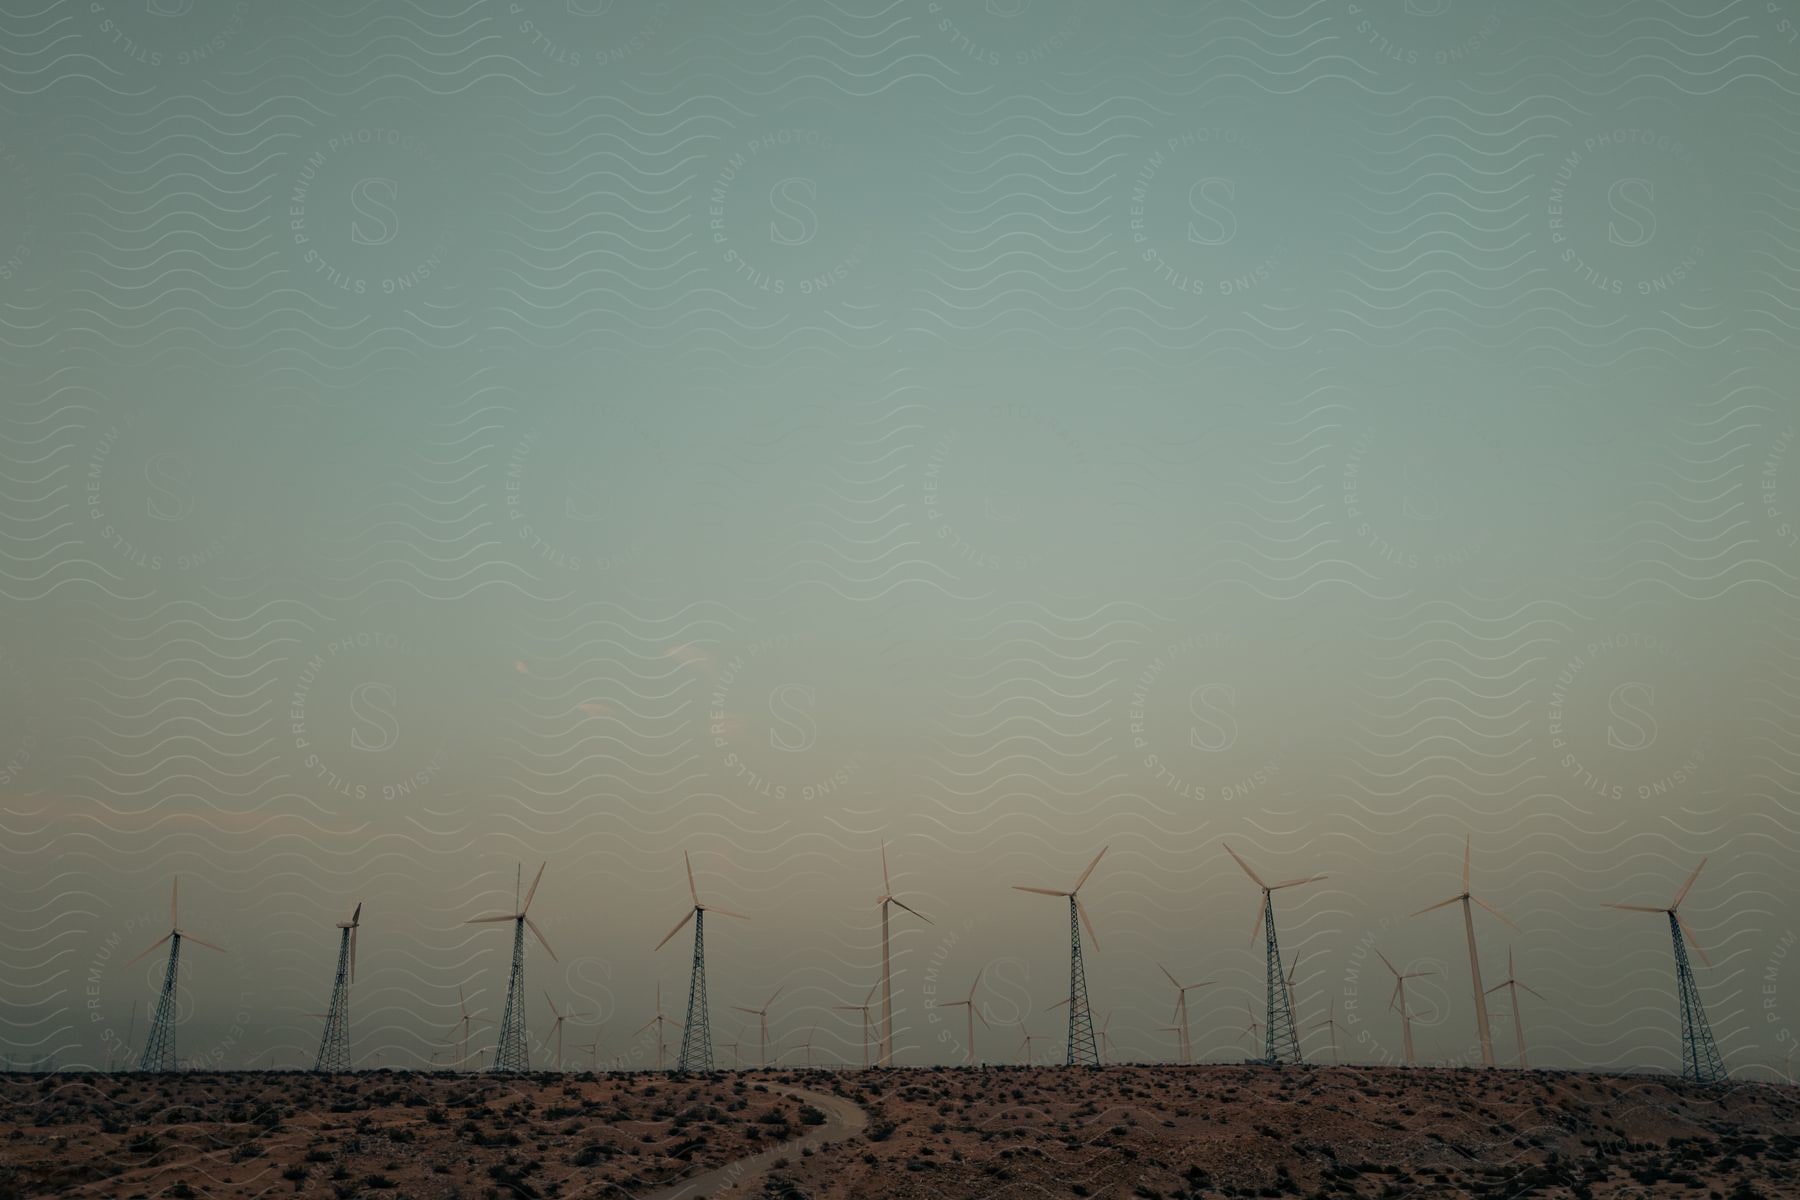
(687, 653)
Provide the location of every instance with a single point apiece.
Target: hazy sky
(444, 436)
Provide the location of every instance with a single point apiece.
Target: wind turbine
(1512, 984)
(762, 1014)
(334, 1044)
(1331, 1023)
(696, 1032)
(1105, 1038)
(863, 1008)
(807, 1045)
(886, 1057)
(513, 1053)
(658, 1020)
(1482, 1028)
(1025, 1045)
(1254, 1026)
(464, 1019)
(593, 1052)
(159, 1046)
(1281, 1045)
(736, 1058)
(556, 1028)
(1083, 1049)
(1399, 992)
(1293, 970)
(1181, 1010)
(968, 1002)
(1700, 1058)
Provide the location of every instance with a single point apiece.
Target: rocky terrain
(1149, 1132)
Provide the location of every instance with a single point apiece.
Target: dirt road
(843, 1119)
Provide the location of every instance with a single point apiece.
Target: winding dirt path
(843, 1119)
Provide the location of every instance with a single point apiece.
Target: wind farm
(971, 493)
(826, 1089)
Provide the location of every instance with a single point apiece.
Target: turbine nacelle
(522, 916)
(694, 895)
(1673, 914)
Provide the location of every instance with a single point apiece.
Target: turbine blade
(1081, 909)
(690, 871)
(1509, 963)
(159, 941)
(356, 917)
(1089, 871)
(767, 1004)
(676, 930)
(646, 1025)
(972, 986)
(1256, 926)
(1495, 911)
(532, 890)
(1635, 908)
(885, 885)
(1059, 1004)
(1040, 891)
(353, 954)
(742, 1009)
(1468, 843)
(542, 940)
(174, 894)
(492, 919)
(191, 938)
(1288, 883)
(1682, 894)
(1534, 992)
(1435, 907)
(1390, 966)
(979, 1016)
(1497, 987)
(726, 912)
(1692, 940)
(552, 1004)
(1240, 862)
(915, 912)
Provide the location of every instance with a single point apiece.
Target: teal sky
(439, 437)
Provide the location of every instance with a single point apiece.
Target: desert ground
(1154, 1131)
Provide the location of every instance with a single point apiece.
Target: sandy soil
(1149, 1132)
(1315, 1132)
(379, 1134)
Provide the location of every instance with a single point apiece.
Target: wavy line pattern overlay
(441, 435)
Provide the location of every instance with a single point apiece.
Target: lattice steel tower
(334, 1043)
(513, 1053)
(159, 1043)
(1700, 1058)
(1280, 1044)
(696, 1034)
(1083, 1051)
